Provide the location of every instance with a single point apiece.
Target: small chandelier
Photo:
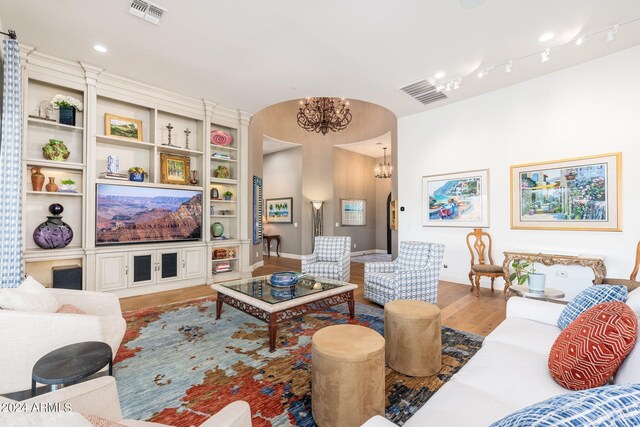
(322, 115)
(383, 170)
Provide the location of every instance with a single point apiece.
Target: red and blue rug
(178, 365)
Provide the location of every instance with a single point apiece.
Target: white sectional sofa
(508, 373)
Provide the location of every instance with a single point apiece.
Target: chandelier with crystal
(322, 115)
(383, 170)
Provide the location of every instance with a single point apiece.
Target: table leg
(278, 247)
(33, 388)
(218, 307)
(268, 248)
(273, 332)
(110, 367)
(352, 306)
(505, 271)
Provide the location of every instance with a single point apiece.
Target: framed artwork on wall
(354, 211)
(459, 199)
(122, 127)
(582, 193)
(174, 169)
(257, 210)
(280, 211)
(393, 215)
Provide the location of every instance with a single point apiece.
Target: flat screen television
(127, 214)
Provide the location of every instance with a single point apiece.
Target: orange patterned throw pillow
(590, 350)
(70, 309)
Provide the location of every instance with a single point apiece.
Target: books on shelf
(221, 156)
(111, 175)
(222, 267)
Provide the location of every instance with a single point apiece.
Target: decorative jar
(53, 233)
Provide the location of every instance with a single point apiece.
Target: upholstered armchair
(331, 258)
(413, 275)
(99, 398)
(26, 336)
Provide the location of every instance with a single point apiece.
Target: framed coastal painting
(354, 211)
(573, 194)
(459, 199)
(174, 169)
(280, 211)
(122, 127)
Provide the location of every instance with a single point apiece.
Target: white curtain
(11, 267)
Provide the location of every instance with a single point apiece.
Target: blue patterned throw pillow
(612, 405)
(588, 298)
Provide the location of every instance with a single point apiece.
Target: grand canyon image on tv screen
(127, 214)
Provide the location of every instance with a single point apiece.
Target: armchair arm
(538, 311)
(236, 414)
(379, 267)
(100, 303)
(309, 259)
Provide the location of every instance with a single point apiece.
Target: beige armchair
(27, 336)
(99, 397)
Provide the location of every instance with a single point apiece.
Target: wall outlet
(295, 224)
(354, 246)
(257, 254)
(337, 224)
(563, 274)
(445, 266)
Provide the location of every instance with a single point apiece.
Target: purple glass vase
(53, 233)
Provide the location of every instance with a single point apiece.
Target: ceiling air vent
(147, 11)
(424, 92)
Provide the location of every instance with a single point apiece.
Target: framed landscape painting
(280, 211)
(458, 199)
(354, 212)
(572, 194)
(122, 127)
(174, 169)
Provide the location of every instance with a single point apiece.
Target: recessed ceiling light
(546, 37)
(100, 48)
(579, 41)
(440, 74)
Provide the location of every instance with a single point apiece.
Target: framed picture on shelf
(354, 211)
(280, 211)
(174, 169)
(123, 127)
(581, 193)
(459, 199)
(393, 215)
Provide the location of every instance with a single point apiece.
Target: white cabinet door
(169, 265)
(112, 271)
(194, 263)
(143, 267)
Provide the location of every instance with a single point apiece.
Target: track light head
(544, 56)
(611, 34)
(482, 73)
(579, 41)
(508, 67)
(456, 84)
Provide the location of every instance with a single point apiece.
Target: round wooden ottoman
(347, 375)
(413, 337)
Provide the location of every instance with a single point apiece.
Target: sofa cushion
(29, 296)
(487, 268)
(614, 405)
(525, 334)
(589, 297)
(590, 350)
(633, 301)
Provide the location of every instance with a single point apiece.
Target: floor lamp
(316, 208)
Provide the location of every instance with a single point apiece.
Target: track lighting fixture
(611, 34)
(508, 67)
(544, 55)
(456, 84)
(482, 73)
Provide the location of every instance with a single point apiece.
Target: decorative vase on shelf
(67, 115)
(136, 176)
(37, 178)
(214, 193)
(217, 229)
(194, 178)
(52, 187)
(113, 164)
(55, 150)
(53, 233)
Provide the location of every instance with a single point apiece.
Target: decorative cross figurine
(186, 142)
(169, 129)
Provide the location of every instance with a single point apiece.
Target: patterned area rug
(178, 365)
(372, 258)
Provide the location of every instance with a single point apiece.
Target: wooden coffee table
(274, 305)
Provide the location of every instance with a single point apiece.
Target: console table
(594, 262)
(268, 238)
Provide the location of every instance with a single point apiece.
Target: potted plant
(67, 106)
(137, 174)
(227, 195)
(67, 186)
(525, 271)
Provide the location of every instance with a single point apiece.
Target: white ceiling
(251, 54)
(371, 147)
(273, 145)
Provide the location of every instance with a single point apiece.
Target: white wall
(592, 108)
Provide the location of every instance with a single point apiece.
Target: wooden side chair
(630, 283)
(481, 253)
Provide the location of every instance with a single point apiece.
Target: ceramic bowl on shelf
(284, 279)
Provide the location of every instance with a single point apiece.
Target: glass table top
(261, 289)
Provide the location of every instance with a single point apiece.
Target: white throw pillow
(629, 371)
(29, 296)
(633, 301)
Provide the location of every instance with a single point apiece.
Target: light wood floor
(461, 309)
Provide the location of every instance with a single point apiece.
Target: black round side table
(70, 364)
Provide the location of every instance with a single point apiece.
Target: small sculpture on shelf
(44, 112)
(67, 105)
(37, 178)
(221, 172)
(187, 131)
(137, 174)
(55, 150)
(169, 129)
(52, 187)
(194, 178)
(214, 193)
(53, 233)
(113, 164)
